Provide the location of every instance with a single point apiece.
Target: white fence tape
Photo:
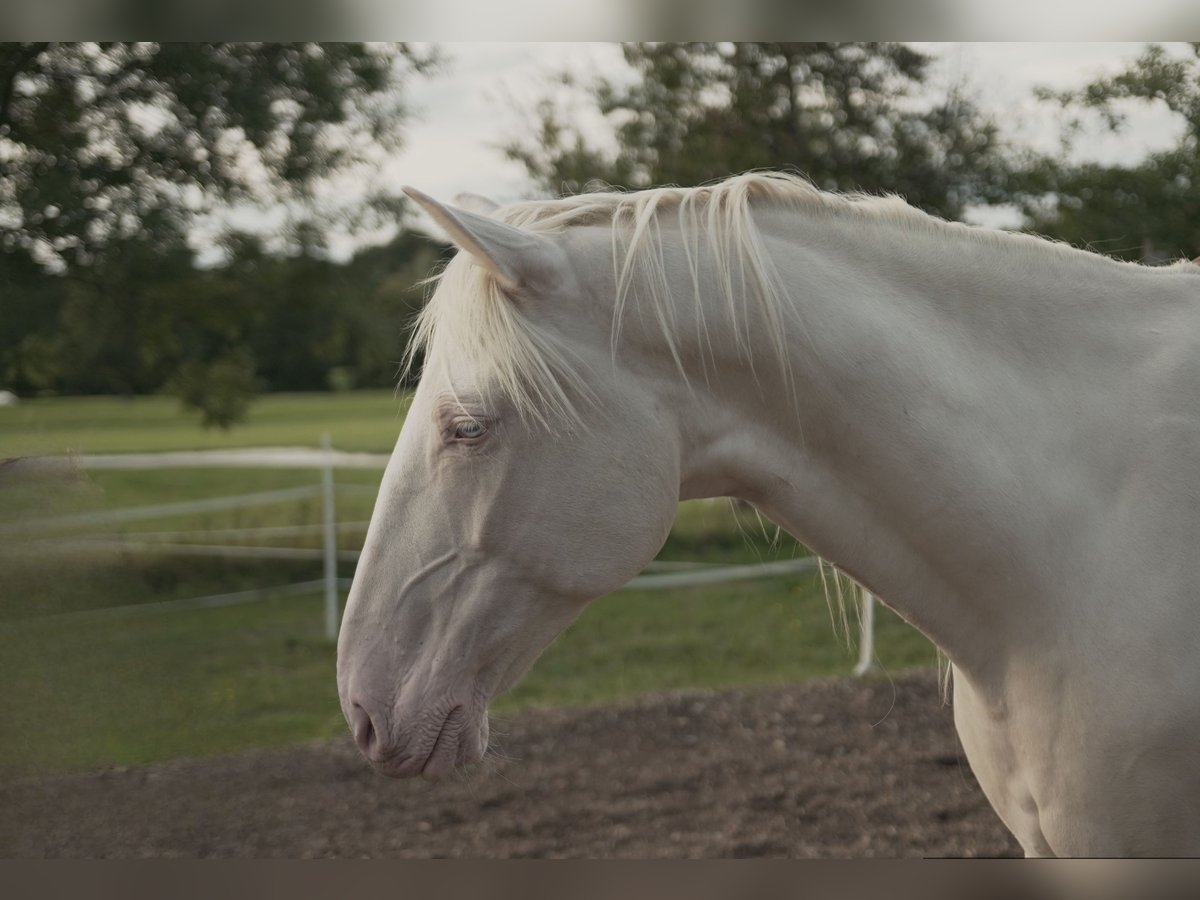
(231, 551)
(158, 511)
(162, 542)
(696, 578)
(212, 601)
(260, 531)
(721, 574)
(659, 574)
(248, 457)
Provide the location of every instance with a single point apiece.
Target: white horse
(997, 434)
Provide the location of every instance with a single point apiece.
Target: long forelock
(468, 318)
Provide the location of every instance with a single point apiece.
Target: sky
(462, 115)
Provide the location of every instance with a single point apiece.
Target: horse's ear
(510, 254)
(476, 203)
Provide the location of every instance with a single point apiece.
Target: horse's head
(534, 472)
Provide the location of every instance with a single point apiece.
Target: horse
(995, 434)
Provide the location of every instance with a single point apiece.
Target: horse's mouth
(454, 746)
(447, 747)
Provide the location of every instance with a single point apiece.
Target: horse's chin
(460, 742)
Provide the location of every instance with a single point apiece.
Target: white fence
(658, 575)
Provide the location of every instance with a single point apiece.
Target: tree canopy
(109, 153)
(214, 336)
(103, 142)
(850, 116)
(1146, 210)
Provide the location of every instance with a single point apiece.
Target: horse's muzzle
(435, 745)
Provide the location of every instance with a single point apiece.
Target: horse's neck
(941, 445)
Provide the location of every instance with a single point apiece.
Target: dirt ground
(825, 768)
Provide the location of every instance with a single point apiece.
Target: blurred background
(203, 247)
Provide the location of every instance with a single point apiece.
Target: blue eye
(469, 430)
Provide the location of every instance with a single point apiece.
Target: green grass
(773, 631)
(80, 694)
(358, 420)
(87, 692)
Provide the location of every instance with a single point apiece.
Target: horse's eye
(469, 430)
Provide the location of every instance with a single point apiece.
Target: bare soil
(823, 768)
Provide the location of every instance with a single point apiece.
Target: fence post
(331, 590)
(866, 639)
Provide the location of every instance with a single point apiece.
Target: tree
(97, 137)
(109, 154)
(1146, 211)
(213, 336)
(848, 115)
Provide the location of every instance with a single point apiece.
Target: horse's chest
(996, 758)
(1075, 772)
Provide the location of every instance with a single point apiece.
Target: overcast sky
(465, 112)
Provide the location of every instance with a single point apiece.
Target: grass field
(87, 691)
(358, 420)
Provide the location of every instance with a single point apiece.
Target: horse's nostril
(364, 731)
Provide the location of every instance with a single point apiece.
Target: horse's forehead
(450, 374)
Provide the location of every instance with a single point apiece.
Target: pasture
(358, 420)
(93, 691)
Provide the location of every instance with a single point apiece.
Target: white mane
(469, 314)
